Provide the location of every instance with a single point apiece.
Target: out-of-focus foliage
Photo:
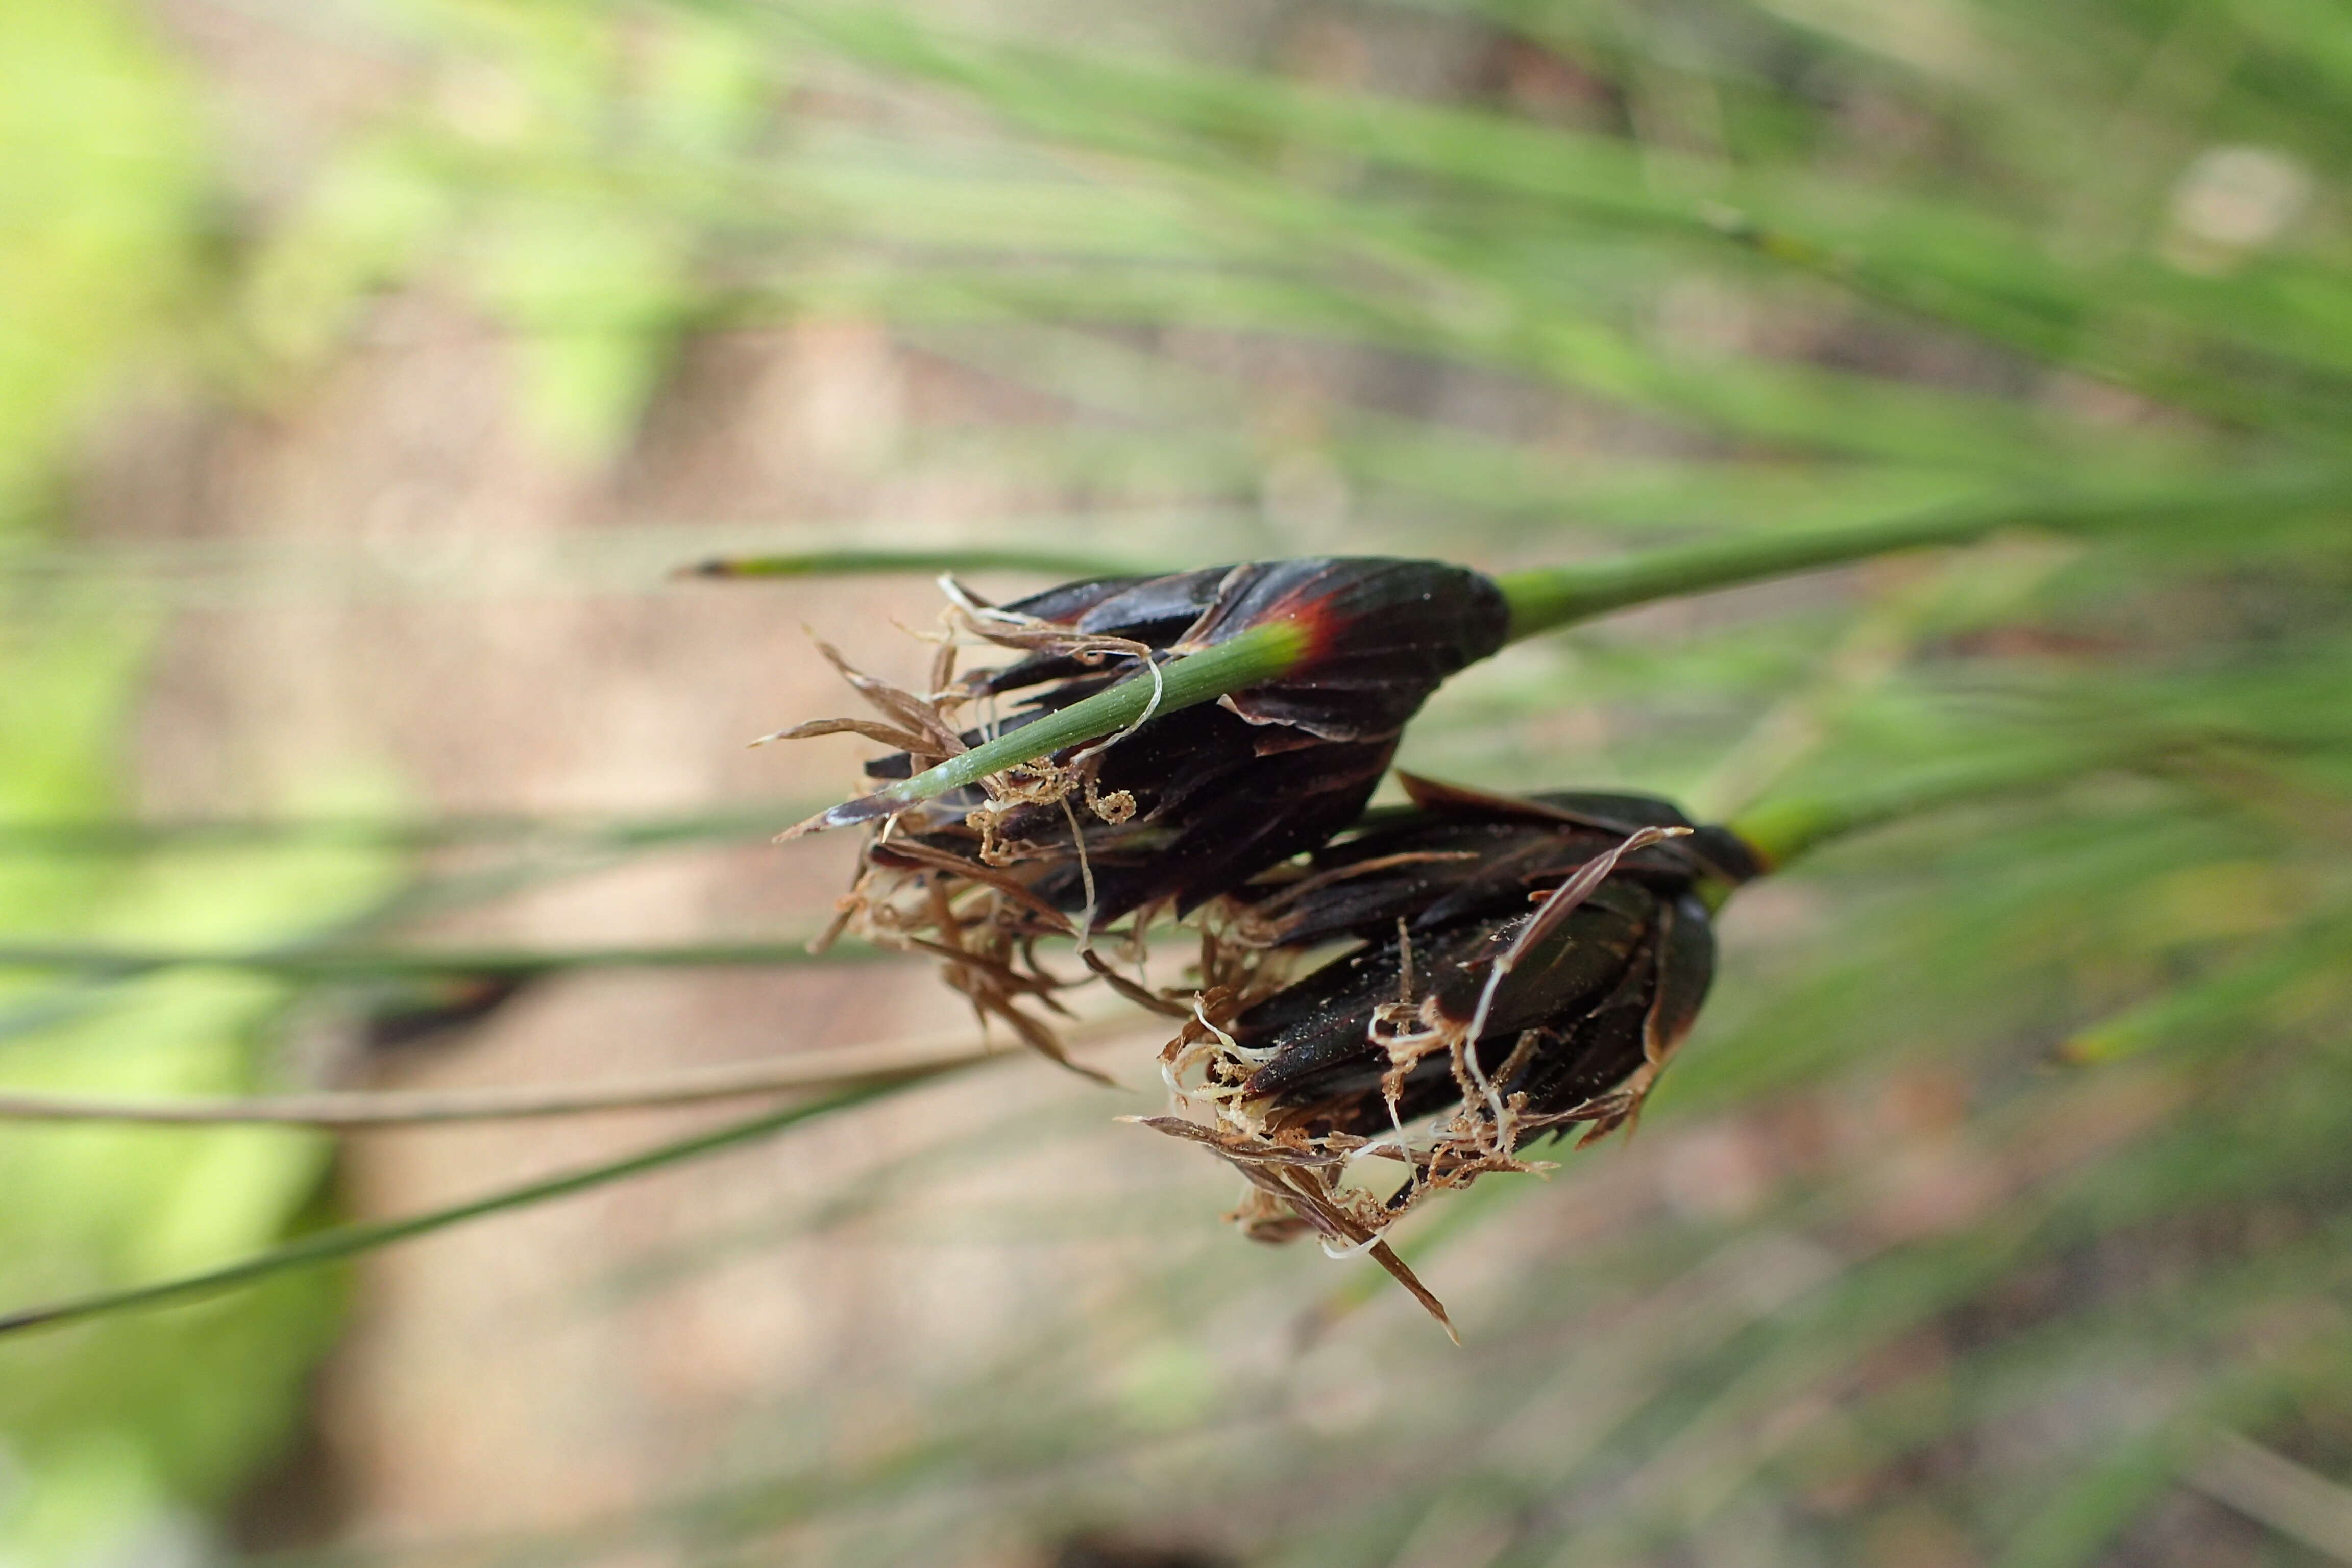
(100, 182)
(114, 1431)
(2003, 1188)
(113, 1435)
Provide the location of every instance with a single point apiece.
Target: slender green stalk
(2233, 990)
(1548, 597)
(1258, 654)
(846, 563)
(1552, 597)
(103, 837)
(328, 962)
(350, 1240)
(799, 1072)
(1781, 830)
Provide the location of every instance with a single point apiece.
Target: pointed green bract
(1244, 660)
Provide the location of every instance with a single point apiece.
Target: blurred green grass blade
(131, 837)
(348, 1241)
(1219, 127)
(1805, 406)
(2264, 1485)
(327, 961)
(2211, 1009)
(1519, 488)
(1794, 402)
(1788, 826)
(2082, 1518)
(764, 1078)
(2176, 1320)
(1951, 266)
(2179, 1321)
(91, 976)
(1817, 1341)
(1542, 598)
(851, 562)
(630, 557)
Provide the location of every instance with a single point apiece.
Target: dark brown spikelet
(1190, 804)
(1576, 1026)
(1519, 966)
(1222, 790)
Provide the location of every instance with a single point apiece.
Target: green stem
(97, 836)
(1551, 596)
(1258, 654)
(370, 963)
(349, 1240)
(1781, 830)
(842, 563)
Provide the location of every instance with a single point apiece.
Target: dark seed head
(1198, 801)
(1465, 990)
(1191, 800)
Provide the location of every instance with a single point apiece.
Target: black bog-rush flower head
(1515, 966)
(1186, 803)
